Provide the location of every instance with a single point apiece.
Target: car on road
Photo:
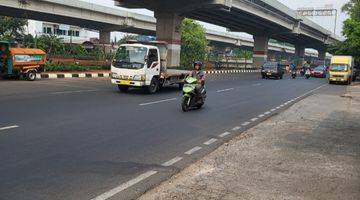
(272, 70)
(319, 72)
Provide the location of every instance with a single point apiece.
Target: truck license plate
(268, 74)
(124, 82)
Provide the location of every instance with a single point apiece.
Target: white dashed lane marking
(155, 102)
(224, 90)
(236, 128)
(73, 92)
(193, 150)
(245, 123)
(8, 127)
(124, 186)
(212, 140)
(172, 161)
(224, 134)
(254, 119)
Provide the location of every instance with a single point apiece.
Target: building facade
(69, 33)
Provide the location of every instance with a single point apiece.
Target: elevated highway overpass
(107, 19)
(264, 19)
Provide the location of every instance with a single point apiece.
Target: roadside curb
(107, 74)
(73, 75)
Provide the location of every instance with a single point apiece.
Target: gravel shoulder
(310, 151)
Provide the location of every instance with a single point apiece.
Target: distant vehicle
(272, 70)
(319, 72)
(341, 69)
(143, 65)
(20, 62)
(190, 99)
(293, 74)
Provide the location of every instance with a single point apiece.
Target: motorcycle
(293, 74)
(190, 99)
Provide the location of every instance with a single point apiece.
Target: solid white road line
(224, 134)
(70, 92)
(193, 150)
(224, 90)
(212, 140)
(245, 123)
(155, 102)
(8, 127)
(171, 162)
(254, 119)
(124, 186)
(236, 128)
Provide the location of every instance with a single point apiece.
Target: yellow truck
(341, 69)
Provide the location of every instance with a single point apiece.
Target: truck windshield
(338, 68)
(130, 57)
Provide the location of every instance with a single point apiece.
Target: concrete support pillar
(260, 53)
(104, 40)
(322, 56)
(168, 30)
(299, 55)
(104, 37)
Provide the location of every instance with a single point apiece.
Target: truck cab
(341, 69)
(143, 65)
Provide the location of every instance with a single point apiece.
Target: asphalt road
(81, 138)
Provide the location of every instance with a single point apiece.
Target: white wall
(35, 28)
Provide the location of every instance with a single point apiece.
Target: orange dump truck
(20, 62)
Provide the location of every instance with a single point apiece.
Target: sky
(326, 22)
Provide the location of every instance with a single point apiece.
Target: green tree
(12, 28)
(243, 54)
(351, 31)
(51, 44)
(352, 8)
(193, 43)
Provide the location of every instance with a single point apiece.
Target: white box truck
(143, 65)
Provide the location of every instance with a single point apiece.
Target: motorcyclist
(199, 74)
(293, 67)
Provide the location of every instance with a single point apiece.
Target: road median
(310, 151)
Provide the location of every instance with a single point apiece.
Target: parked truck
(143, 65)
(20, 62)
(341, 69)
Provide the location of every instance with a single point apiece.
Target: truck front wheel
(31, 76)
(123, 88)
(154, 86)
